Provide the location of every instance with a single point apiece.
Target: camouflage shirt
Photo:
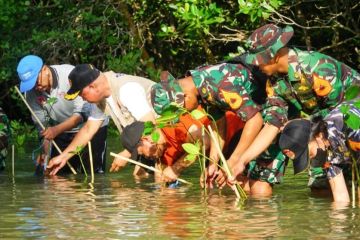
(315, 84)
(344, 141)
(226, 87)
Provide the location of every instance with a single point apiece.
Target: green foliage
(78, 151)
(258, 10)
(198, 114)
(351, 119)
(352, 92)
(191, 148)
(194, 19)
(142, 37)
(21, 132)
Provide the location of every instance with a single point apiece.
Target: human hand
(210, 174)
(50, 133)
(55, 164)
(237, 169)
(117, 164)
(169, 175)
(221, 178)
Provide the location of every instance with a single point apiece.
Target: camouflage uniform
(344, 145)
(4, 138)
(224, 87)
(315, 82)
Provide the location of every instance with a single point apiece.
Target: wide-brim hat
(265, 42)
(295, 137)
(28, 71)
(81, 76)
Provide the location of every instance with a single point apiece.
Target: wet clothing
(315, 84)
(4, 138)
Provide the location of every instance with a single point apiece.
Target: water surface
(117, 206)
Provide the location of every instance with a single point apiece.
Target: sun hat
(295, 137)
(81, 76)
(265, 41)
(28, 71)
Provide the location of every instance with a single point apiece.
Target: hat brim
(29, 84)
(302, 162)
(265, 56)
(71, 96)
(134, 155)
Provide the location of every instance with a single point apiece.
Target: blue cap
(28, 70)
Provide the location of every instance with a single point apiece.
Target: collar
(55, 77)
(294, 68)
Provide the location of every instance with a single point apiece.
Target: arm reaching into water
(85, 134)
(263, 140)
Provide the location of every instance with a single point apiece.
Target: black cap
(130, 137)
(81, 76)
(295, 137)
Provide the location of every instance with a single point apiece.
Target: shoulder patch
(233, 99)
(321, 86)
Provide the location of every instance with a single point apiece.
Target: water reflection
(116, 206)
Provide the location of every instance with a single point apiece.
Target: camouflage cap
(166, 92)
(265, 41)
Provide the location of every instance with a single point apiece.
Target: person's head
(34, 74)
(304, 140)
(86, 81)
(267, 48)
(133, 140)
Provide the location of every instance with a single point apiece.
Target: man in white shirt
(125, 98)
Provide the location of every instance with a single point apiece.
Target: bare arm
(71, 122)
(85, 134)
(119, 163)
(250, 131)
(263, 140)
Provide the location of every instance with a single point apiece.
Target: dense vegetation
(143, 37)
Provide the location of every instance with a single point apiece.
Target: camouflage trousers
(269, 167)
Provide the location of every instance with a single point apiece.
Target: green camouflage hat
(166, 92)
(265, 41)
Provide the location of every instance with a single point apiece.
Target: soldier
(4, 138)
(224, 87)
(330, 144)
(305, 81)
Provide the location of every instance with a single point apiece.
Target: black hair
(318, 125)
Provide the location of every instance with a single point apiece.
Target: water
(117, 206)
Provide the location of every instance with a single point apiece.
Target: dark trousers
(98, 145)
